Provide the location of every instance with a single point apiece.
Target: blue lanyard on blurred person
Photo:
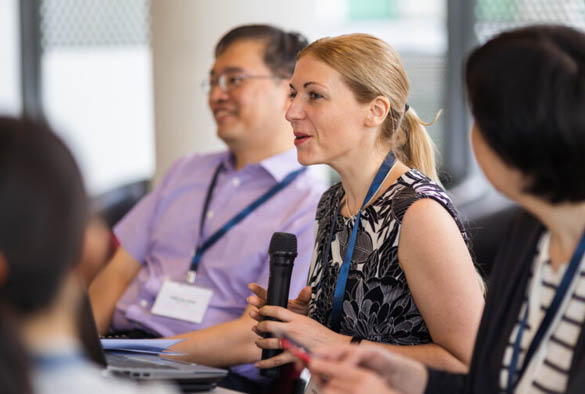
(209, 242)
(56, 361)
(344, 270)
(546, 321)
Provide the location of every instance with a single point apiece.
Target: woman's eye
(292, 95)
(315, 96)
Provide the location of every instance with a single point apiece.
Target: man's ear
(377, 111)
(3, 269)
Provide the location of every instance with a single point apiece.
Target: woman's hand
(366, 369)
(335, 378)
(299, 305)
(302, 329)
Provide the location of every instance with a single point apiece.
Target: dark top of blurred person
(43, 233)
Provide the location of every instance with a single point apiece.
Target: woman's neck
(55, 323)
(566, 223)
(357, 177)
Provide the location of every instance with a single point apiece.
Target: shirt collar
(278, 166)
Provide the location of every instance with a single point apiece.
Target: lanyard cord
(344, 270)
(55, 361)
(204, 246)
(546, 321)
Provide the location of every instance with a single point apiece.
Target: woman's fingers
(333, 352)
(258, 290)
(268, 343)
(253, 313)
(275, 328)
(338, 377)
(323, 367)
(304, 296)
(281, 359)
(256, 301)
(276, 312)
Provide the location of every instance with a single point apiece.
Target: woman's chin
(304, 159)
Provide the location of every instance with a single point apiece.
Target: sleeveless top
(378, 305)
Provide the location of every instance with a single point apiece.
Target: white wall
(184, 33)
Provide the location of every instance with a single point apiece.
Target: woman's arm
(442, 280)
(444, 284)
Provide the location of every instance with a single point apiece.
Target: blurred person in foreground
(179, 237)
(526, 88)
(46, 242)
(391, 263)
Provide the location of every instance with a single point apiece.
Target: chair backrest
(487, 233)
(114, 204)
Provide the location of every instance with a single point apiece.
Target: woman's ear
(377, 111)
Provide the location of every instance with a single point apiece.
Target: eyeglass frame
(221, 80)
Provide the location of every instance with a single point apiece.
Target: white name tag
(182, 301)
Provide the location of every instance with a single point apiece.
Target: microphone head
(283, 242)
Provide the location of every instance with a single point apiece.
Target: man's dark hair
(281, 47)
(527, 94)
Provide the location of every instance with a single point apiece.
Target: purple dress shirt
(162, 231)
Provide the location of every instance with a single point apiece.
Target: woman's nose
(294, 111)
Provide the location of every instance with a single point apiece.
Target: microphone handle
(278, 288)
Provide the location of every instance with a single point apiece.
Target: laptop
(140, 366)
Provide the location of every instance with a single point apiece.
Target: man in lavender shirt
(248, 95)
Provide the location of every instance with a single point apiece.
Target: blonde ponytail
(413, 146)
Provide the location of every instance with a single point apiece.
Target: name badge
(182, 301)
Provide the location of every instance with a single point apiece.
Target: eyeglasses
(230, 81)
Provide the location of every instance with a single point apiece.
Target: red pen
(297, 350)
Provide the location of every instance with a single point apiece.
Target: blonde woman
(526, 92)
(391, 263)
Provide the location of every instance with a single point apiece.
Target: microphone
(282, 252)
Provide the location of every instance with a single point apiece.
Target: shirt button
(236, 182)
(209, 214)
(143, 303)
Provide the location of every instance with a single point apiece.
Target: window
(493, 16)
(97, 89)
(10, 96)
(416, 30)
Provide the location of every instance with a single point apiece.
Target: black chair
(487, 216)
(112, 205)
(487, 233)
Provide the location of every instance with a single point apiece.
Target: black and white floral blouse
(377, 305)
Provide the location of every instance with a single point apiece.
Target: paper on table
(163, 352)
(140, 345)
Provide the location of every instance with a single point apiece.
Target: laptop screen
(88, 332)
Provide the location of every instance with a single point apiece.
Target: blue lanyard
(344, 270)
(202, 247)
(54, 361)
(546, 321)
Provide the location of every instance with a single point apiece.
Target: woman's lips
(300, 138)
